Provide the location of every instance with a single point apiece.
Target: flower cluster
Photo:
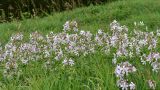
(121, 71)
(73, 42)
(124, 85)
(153, 59)
(68, 62)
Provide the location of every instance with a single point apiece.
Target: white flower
(11, 65)
(142, 42)
(82, 32)
(154, 42)
(70, 62)
(47, 54)
(122, 84)
(114, 25)
(119, 53)
(100, 32)
(65, 61)
(113, 40)
(156, 66)
(132, 86)
(24, 61)
(149, 58)
(18, 36)
(152, 84)
(156, 56)
(158, 32)
(66, 26)
(118, 71)
(130, 54)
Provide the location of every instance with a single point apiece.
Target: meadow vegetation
(104, 47)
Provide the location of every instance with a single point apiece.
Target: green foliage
(29, 8)
(90, 18)
(93, 72)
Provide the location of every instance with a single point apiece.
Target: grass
(94, 72)
(91, 18)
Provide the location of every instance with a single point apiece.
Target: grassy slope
(91, 18)
(95, 71)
